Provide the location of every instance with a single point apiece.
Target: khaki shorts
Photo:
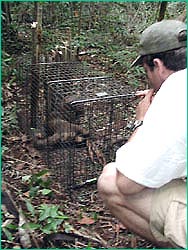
(168, 213)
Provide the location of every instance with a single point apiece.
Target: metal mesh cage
(76, 117)
(35, 80)
(80, 124)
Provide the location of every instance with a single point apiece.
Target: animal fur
(61, 131)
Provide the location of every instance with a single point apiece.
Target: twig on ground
(15, 159)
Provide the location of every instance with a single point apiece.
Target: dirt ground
(90, 223)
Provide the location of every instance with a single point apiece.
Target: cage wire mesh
(35, 79)
(77, 119)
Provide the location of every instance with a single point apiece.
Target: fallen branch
(11, 201)
(87, 182)
(93, 150)
(24, 234)
(72, 237)
(15, 159)
(90, 237)
(101, 240)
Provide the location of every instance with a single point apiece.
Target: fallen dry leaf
(26, 194)
(15, 138)
(86, 221)
(20, 166)
(24, 138)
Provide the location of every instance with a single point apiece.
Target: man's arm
(142, 107)
(126, 185)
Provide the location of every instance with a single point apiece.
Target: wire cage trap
(80, 125)
(35, 81)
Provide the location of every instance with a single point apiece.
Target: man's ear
(163, 72)
(158, 63)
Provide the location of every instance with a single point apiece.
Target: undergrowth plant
(46, 218)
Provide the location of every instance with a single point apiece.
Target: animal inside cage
(80, 125)
(36, 78)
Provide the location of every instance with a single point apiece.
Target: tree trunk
(52, 13)
(182, 17)
(37, 33)
(162, 10)
(6, 12)
(80, 18)
(36, 51)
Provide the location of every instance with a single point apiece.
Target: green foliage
(38, 183)
(7, 61)
(8, 231)
(8, 228)
(46, 217)
(43, 218)
(111, 29)
(9, 119)
(11, 43)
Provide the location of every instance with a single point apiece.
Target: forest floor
(89, 223)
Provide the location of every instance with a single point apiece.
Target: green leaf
(30, 208)
(61, 215)
(95, 216)
(46, 191)
(41, 173)
(26, 178)
(7, 59)
(47, 229)
(67, 227)
(33, 191)
(30, 225)
(8, 234)
(54, 211)
(11, 226)
(55, 224)
(45, 213)
(64, 217)
(4, 148)
(52, 225)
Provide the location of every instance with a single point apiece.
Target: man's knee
(106, 184)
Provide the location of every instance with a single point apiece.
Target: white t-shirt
(157, 153)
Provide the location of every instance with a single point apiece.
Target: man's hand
(144, 103)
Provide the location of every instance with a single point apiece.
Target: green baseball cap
(160, 37)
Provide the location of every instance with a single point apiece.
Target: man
(144, 187)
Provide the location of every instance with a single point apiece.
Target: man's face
(153, 76)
